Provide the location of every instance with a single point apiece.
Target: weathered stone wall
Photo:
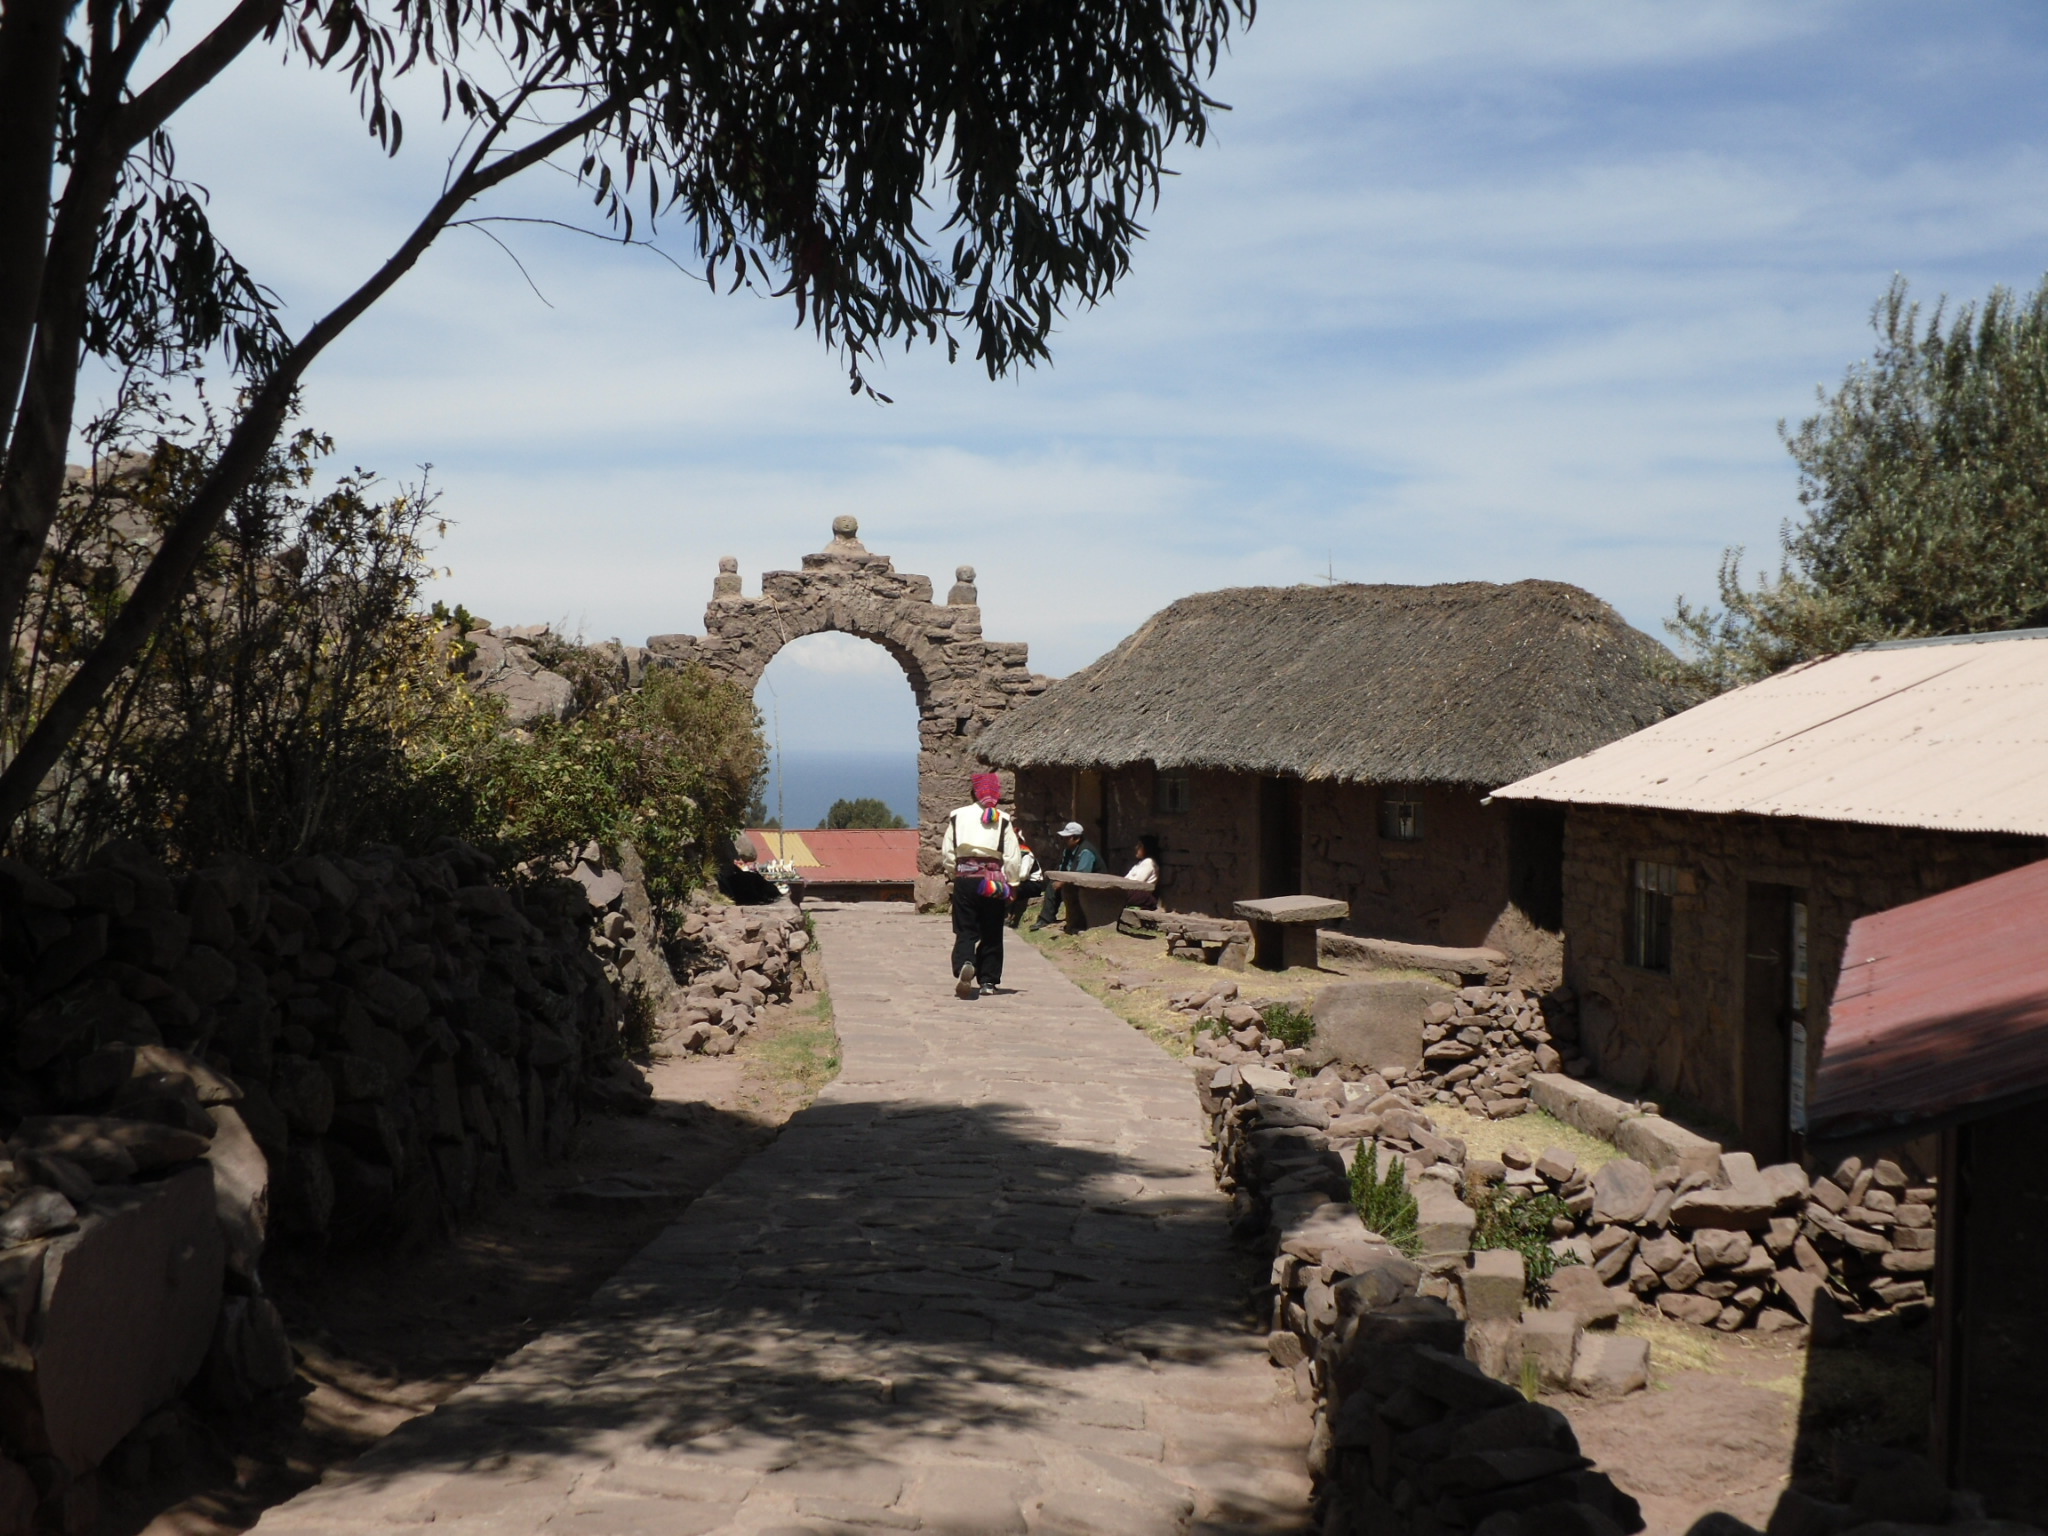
(1681, 1033)
(961, 681)
(1451, 887)
(199, 1065)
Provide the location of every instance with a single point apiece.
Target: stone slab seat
(1284, 928)
(1097, 899)
(1470, 967)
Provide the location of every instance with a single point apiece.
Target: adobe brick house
(1714, 862)
(1337, 741)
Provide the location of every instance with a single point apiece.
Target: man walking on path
(982, 856)
(1075, 854)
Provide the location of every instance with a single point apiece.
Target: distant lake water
(811, 781)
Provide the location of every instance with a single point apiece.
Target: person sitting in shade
(982, 856)
(1075, 854)
(1145, 871)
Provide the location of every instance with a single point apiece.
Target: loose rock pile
(1228, 1030)
(1480, 1048)
(737, 959)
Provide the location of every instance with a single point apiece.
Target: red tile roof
(1941, 1012)
(825, 857)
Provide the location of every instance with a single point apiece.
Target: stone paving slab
(982, 1287)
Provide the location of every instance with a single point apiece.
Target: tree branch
(170, 569)
(196, 69)
(31, 69)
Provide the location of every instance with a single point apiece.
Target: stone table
(1096, 900)
(1284, 928)
(982, 1285)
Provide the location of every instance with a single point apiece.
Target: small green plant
(639, 1022)
(1288, 1024)
(1384, 1203)
(1511, 1219)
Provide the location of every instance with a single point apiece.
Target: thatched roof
(1466, 683)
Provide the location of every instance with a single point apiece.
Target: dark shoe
(965, 986)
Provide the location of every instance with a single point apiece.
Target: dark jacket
(1080, 858)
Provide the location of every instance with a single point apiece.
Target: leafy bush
(669, 767)
(1514, 1219)
(276, 712)
(1288, 1024)
(301, 701)
(866, 814)
(1385, 1204)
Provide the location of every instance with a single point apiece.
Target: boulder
(241, 1189)
(1324, 1226)
(1373, 1025)
(1551, 1338)
(1443, 1224)
(1610, 1364)
(129, 1304)
(1576, 1288)
(1623, 1190)
(1493, 1286)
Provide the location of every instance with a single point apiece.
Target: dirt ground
(1728, 1420)
(383, 1337)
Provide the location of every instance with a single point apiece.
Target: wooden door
(1769, 1017)
(1280, 837)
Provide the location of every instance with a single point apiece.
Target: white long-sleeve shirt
(967, 838)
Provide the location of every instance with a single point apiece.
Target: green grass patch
(1288, 1023)
(804, 1054)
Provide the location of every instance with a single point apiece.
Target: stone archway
(961, 681)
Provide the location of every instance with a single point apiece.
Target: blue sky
(1458, 290)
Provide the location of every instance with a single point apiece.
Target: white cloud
(1458, 290)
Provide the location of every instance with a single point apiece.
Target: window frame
(1650, 916)
(1392, 822)
(1172, 795)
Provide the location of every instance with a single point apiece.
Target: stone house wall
(1451, 886)
(1682, 1033)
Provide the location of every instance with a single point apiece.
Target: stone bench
(1473, 967)
(1095, 900)
(1284, 928)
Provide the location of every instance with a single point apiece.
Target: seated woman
(1146, 870)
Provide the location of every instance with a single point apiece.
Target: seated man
(1075, 854)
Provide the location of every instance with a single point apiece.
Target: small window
(1401, 821)
(1651, 888)
(1170, 793)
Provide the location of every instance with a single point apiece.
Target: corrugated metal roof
(829, 857)
(1950, 735)
(1941, 1010)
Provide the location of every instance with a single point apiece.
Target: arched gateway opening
(961, 681)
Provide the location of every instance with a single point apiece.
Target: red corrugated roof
(1941, 1010)
(825, 857)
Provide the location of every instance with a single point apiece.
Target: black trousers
(978, 930)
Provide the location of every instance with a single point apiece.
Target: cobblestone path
(983, 1285)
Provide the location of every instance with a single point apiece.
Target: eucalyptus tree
(949, 172)
(1923, 481)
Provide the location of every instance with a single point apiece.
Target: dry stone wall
(202, 1066)
(961, 681)
(1412, 1434)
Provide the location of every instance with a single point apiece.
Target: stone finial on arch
(961, 681)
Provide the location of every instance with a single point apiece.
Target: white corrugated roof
(1951, 734)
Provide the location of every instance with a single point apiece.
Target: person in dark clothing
(1075, 854)
(982, 854)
